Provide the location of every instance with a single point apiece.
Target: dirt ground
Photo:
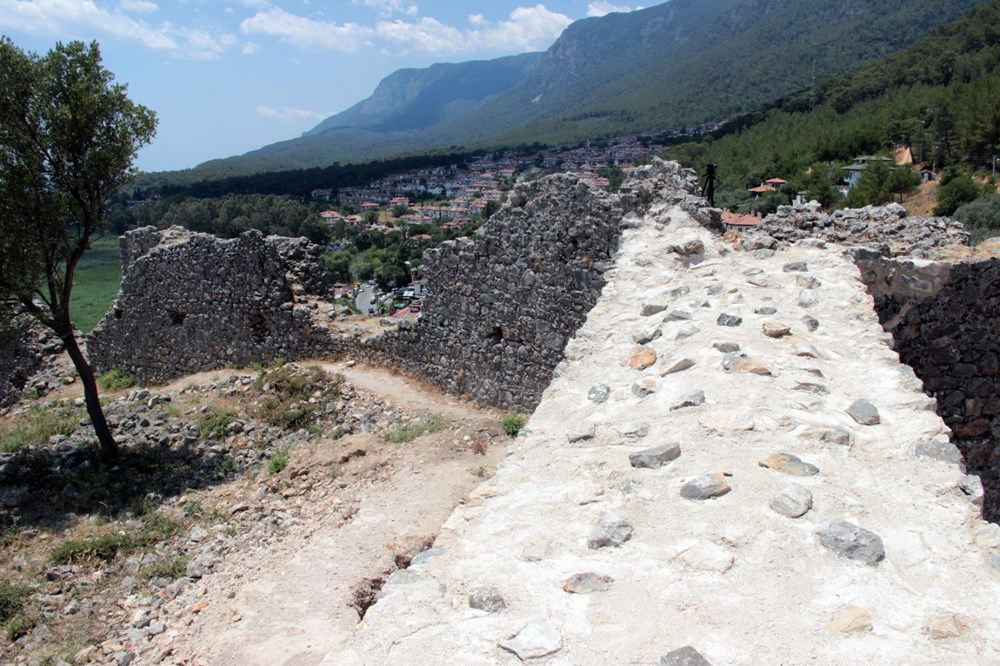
(292, 601)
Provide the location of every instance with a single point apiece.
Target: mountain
(679, 63)
(412, 99)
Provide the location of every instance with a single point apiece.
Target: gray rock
(686, 331)
(689, 248)
(487, 599)
(685, 656)
(811, 322)
(795, 266)
(726, 347)
(611, 530)
(705, 487)
(537, 639)
(692, 399)
(426, 556)
(655, 457)
(585, 583)
(677, 315)
(644, 387)
(864, 412)
(716, 289)
(766, 310)
(792, 501)
(763, 253)
(728, 320)
(836, 435)
(581, 434)
(650, 309)
(853, 542)
(972, 486)
(646, 336)
(807, 298)
(943, 451)
(599, 393)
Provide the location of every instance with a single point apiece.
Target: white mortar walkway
(729, 576)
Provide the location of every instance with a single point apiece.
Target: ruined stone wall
(192, 302)
(945, 321)
(502, 306)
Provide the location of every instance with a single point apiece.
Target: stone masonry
(945, 320)
(730, 466)
(191, 302)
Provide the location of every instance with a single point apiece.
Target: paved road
(365, 299)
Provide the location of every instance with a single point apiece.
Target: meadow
(97, 279)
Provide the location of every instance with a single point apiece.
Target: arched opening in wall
(177, 317)
(495, 335)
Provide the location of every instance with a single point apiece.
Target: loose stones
(789, 464)
(728, 320)
(535, 640)
(692, 399)
(773, 329)
(585, 583)
(642, 358)
(864, 412)
(685, 656)
(488, 599)
(655, 457)
(611, 530)
(853, 542)
(705, 487)
(599, 393)
(680, 366)
(852, 619)
(792, 501)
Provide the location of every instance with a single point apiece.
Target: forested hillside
(940, 96)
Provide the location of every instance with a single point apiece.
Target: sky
(229, 76)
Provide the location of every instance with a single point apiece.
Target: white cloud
(249, 48)
(76, 18)
(602, 7)
(525, 29)
(287, 114)
(389, 7)
(139, 6)
(308, 33)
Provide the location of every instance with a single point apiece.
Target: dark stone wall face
(945, 321)
(501, 307)
(192, 302)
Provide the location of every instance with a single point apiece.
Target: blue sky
(226, 77)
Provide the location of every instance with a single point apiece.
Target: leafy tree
(872, 188)
(955, 191)
(902, 181)
(981, 217)
(68, 138)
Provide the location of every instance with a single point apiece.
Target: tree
(981, 217)
(68, 138)
(954, 191)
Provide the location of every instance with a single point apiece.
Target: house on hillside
(855, 170)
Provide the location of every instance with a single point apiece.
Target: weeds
(116, 380)
(37, 426)
(279, 460)
(289, 389)
(512, 424)
(214, 423)
(410, 431)
(107, 547)
(172, 568)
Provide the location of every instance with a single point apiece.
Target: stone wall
(192, 302)
(945, 321)
(501, 307)
(25, 349)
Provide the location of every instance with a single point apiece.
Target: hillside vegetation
(940, 96)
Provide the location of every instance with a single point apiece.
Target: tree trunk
(109, 447)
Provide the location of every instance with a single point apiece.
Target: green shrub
(981, 217)
(279, 460)
(12, 600)
(512, 424)
(37, 426)
(116, 380)
(108, 546)
(173, 568)
(214, 423)
(18, 626)
(411, 431)
(286, 404)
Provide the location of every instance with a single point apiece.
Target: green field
(97, 279)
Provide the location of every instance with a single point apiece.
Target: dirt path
(293, 600)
